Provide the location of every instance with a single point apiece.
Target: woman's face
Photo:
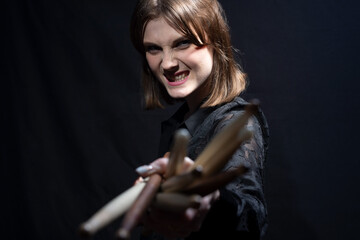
(179, 65)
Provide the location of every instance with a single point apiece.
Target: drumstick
(112, 210)
(178, 182)
(208, 185)
(218, 161)
(139, 207)
(183, 181)
(178, 152)
(216, 153)
(176, 202)
(213, 158)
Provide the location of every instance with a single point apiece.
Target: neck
(195, 99)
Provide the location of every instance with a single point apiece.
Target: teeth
(180, 77)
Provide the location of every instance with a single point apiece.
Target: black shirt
(241, 212)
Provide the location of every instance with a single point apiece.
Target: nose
(169, 61)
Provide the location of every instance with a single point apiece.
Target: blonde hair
(203, 22)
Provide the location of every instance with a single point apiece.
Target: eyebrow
(148, 44)
(182, 38)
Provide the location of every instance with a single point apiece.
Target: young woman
(187, 56)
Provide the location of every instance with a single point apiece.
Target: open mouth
(178, 78)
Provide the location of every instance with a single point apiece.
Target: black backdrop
(73, 129)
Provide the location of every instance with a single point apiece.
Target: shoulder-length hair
(203, 22)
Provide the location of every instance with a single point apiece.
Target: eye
(183, 44)
(152, 49)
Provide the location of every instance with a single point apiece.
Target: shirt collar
(194, 121)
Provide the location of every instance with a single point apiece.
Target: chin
(178, 95)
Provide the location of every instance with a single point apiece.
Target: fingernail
(190, 213)
(146, 170)
(143, 169)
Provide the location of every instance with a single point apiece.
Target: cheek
(208, 61)
(152, 62)
(200, 59)
(204, 65)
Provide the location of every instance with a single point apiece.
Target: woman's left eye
(183, 44)
(152, 49)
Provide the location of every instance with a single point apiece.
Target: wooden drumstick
(139, 207)
(177, 153)
(176, 202)
(205, 186)
(203, 174)
(112, 210)
(212, 159)
(216, 153)
(218, 161)
(178, 182)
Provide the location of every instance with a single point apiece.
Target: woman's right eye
(152, 49)
(183, 44)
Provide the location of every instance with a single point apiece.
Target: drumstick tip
(123, 234)
(84, 231)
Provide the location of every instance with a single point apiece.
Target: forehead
(158, 30)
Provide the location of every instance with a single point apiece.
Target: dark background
(73, 129)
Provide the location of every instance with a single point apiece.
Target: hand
(170, 224)
(160, 165)
(175, 225)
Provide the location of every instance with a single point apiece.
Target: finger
(161, 216)
(139, 180)
(187, 163)
(158, 166)
(195, 219)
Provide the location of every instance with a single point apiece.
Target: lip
(177, 83)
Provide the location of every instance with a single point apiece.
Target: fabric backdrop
(73, 129)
